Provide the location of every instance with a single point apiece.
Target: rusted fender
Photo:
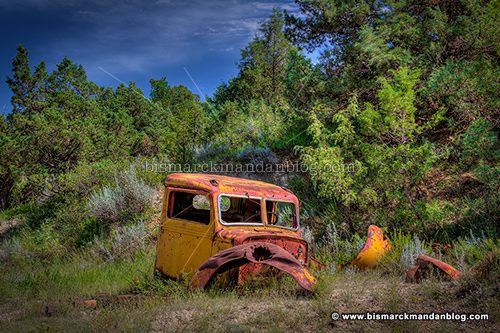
(373, 251)
(254, 252)
(414, 274)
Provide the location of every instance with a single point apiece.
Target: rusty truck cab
(204, 215)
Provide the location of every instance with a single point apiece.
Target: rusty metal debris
(375, 248)
(416, 272)
(214, 224)
(259, 253)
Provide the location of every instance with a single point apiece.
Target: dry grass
(362, 292)
(281, 306)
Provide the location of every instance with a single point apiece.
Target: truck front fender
(254, 252)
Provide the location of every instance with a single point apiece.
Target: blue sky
(132, 40)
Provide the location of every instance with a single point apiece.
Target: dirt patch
(166, 320)
(11, 315)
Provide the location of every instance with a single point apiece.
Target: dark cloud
(134, 40)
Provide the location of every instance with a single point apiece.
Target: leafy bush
(306, 233)
(86, 178)
(247, 124)
(11, 249)
(89, 229)
(107, 204)
(152, 170)
(366, 158)
(470, 249)
(43, 243)
(466, 88)
(137, 194)
(211, 152)
(257, 155)
(128, 197)
(479, 141)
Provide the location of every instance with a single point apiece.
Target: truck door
(185, 240)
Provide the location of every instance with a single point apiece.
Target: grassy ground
(280, 310)
(41, 293)
(46, 297)
(43, 297)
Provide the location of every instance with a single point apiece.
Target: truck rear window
(189, 206)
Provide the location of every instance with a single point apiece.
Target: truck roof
(229, 185)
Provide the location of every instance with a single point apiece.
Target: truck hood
(285, 239)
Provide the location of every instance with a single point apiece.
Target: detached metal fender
(414, 274)
(254, 252)
(375, 248)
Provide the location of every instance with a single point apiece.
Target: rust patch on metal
(375, 248)
(259, 253)
(229, 185)
(415, 273)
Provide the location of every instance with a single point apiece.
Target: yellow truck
(212, 224)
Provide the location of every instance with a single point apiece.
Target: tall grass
(80, 275)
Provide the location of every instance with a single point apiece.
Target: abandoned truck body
(212, 224)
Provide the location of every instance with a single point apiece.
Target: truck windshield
(281, 214)
(240, 210)
(248, 210)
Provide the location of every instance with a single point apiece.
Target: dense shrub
(257, 155)
(129, 196)
(137, 194)
(107, 204)
(253, 123)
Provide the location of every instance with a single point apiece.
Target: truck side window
(189, 206)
